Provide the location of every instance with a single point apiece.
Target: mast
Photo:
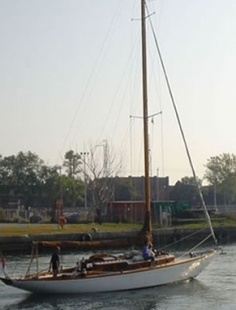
(147, 224)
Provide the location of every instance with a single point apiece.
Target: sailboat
(104, 272)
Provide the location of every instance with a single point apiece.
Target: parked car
(72, 218)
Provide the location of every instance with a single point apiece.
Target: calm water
(213, 289)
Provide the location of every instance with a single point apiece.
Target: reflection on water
(146, 299)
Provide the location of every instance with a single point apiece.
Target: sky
(70, 78)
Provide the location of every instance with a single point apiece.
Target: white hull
(179, 270)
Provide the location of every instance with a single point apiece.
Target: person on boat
(55, 262)
(147, 251)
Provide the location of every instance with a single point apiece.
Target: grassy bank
(32, 229)
(36, 229)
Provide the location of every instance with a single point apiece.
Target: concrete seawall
(161, 237)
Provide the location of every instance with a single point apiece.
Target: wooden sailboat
(105, 272)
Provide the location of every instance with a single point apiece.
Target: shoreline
(161, 237)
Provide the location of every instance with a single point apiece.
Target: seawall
(161, 237)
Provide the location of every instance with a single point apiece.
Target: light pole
(215, 162)
(84, 154)
(61, 196)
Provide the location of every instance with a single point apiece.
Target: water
(213, 289)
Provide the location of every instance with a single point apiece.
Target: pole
(145, 117)
(84, 154)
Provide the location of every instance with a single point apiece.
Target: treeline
(27, 178)
(220, 175)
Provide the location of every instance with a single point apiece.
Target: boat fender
(86, 237)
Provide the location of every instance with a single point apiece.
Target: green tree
(72, 191)
(221, 173)
(50, 185)
(25, 177)
(58, 186)
(124, 189)
(19, 175)
(72, 162)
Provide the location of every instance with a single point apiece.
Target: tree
(210, 195)
(50, 185)
(221, 173)
(186, 190)
(25, 177)
(19, 175)
(72, 163)
(100, 177)
(124, 189)
(72, 191)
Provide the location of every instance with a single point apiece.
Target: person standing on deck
(55, 262)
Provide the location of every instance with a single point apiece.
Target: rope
(184, 238)
(183, 136)
(196, 246)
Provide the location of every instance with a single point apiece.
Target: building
(159, 187)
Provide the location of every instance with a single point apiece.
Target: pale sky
(70, 78)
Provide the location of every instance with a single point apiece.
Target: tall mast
(145, 119)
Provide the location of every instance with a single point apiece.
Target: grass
(32, 229)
